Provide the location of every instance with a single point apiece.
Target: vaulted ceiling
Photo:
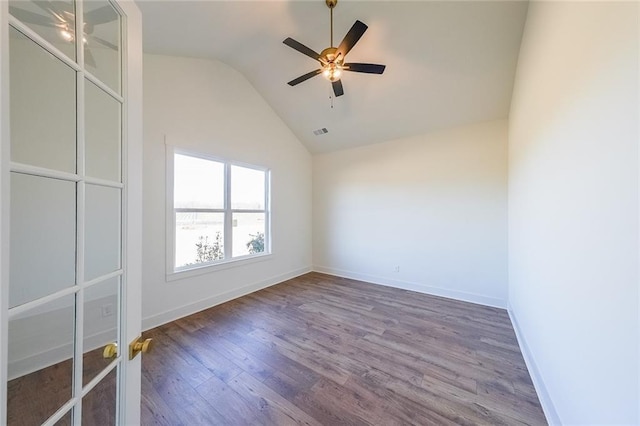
(449, 63)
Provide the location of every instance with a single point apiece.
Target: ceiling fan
(61, 16)
(332, 59)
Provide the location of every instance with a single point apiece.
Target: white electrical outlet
(396, 269)
(107, 310)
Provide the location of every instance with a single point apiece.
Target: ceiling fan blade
(104, 42)
(337, 88)
(305, 77)
(30, 17)
(88, 58)
(55, 8)
(61, 6)
(101, 15)
(44, 5)
(368, 68)
(352, 37)
(301, 48)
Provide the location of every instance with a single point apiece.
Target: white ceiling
(449, 63)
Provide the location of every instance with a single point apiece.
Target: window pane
(99, 405)
(198, 183)
(248, 233)
(40, 361)
(43, 237)
(247, 188)
(54, 21)
(43, 107)
(102, 42)
(102, 231)
(102, 133)
(199, 238)
(100, 326)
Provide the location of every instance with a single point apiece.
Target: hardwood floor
(317, 350)
(324, 350)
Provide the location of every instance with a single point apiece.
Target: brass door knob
(139, 345)
(110, 351)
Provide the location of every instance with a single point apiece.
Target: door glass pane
(248, 233)
(52, 20)
(247, 188)
(99, 405)
(40, 367)
(100, 326)
(43, 237)
(199, 238)
(198, 183)
(43, 107)
(102, 134)
(102, 231)
(102, 45)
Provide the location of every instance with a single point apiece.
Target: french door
(70, 192)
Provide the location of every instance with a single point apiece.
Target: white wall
(208, 107)
(435, 205)
(573, 209)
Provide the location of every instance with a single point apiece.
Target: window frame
(173, 272)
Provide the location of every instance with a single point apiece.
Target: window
(219, 211)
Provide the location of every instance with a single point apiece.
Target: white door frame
(132, 168)
(4, 204)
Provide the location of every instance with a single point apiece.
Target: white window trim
(172, 273)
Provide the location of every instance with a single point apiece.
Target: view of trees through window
(212, 224)
(209, 251)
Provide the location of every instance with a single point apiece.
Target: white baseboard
(420, 288)
(545, 400)
(192, 308)
(38, 361)
(541, 389)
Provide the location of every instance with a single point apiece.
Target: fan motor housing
(329, 55)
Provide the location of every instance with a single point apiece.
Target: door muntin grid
(89, 291)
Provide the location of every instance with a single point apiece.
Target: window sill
(206, 269)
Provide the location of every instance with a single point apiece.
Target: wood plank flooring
(321, 350)
(315, 350)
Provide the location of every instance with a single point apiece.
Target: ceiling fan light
(332, 72)
(66, 34)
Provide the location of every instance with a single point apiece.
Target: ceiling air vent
(320, 131)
